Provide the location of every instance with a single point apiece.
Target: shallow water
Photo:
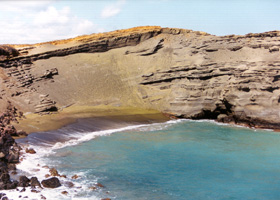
(172, 160)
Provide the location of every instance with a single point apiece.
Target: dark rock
(5, 178)
(13, 156)
(11, 166)
(23, 181)
(51, 183)
(7, 52)
(12, 185)
(35, 182)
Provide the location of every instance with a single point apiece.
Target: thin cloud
(23, 5)
(52, 16)
(44, 23)
(113, 9)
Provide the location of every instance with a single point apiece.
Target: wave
(35, 164)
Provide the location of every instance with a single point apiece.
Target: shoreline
(73, 116)
(86, 122)
(34, 123)
(53, 121)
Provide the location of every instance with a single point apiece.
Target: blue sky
(33, 21)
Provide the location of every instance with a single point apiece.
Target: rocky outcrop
(190, 74)
(9, 149)
(7, 52)
(217, 91)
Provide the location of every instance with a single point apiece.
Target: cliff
(186, 73)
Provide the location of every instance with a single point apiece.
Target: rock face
(7, 52)
(189, 74)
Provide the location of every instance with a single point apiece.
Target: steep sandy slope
(188, 74)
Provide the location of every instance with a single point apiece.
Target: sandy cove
(39, 123)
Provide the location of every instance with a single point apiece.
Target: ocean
(177, 159)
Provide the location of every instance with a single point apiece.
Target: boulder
(12, 185)
(51, 183)
(23, 181)
(35, 182)
(5, 178)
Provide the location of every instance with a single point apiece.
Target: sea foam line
(32, 164)
(92, 135)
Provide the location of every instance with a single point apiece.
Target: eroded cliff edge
(185, 73)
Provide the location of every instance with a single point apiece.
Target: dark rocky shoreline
(10, 153)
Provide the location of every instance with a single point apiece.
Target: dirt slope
(186, 73)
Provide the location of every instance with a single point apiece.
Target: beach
(142, 158)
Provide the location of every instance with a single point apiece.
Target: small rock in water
(99, 185)
(30, 150)
(35, 191)
(93, 188)
(54, 172)
(69, 184)
(64, 192)
(47, 176)
(43, 197)
(75, 176)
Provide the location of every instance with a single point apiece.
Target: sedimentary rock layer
(185, 73)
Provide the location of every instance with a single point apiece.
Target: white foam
(79, 138)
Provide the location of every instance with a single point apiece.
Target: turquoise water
(186, 160)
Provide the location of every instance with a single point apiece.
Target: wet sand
(41, 123)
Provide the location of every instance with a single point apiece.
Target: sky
(33, 21)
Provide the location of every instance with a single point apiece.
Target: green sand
(53, 121)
